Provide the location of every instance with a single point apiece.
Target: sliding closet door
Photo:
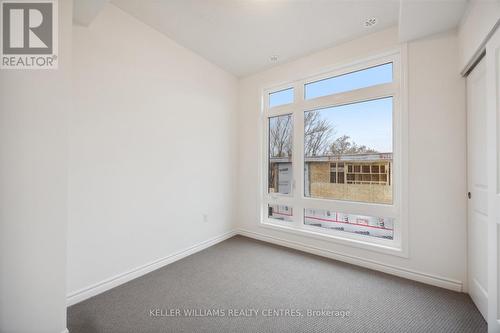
(477, 176)
(493, 157)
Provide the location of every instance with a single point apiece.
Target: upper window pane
(348, 152)
(281, 97)
(360, 79)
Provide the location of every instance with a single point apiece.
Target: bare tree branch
(318, 137)
(280, 136)
(317, 134)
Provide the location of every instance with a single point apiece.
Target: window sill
(398, 251)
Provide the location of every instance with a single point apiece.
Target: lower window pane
(381, 227)
(280, 212)
(348, 152)
(280, 154)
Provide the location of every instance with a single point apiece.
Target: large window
(333, 163)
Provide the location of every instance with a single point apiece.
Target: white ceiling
(420, 18)
(241, 35)
(85, 11)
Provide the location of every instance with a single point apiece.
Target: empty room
(249, 166)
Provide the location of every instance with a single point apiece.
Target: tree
(317, 134)
(344, 145)
(280, 136)
(341, 145)
(280, 144)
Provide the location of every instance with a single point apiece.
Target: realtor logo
(29, 34)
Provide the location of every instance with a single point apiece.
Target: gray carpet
(281, 285)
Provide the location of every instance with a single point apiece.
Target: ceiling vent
(370, 22)
(274, 58)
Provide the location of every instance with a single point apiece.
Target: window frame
(297, 199)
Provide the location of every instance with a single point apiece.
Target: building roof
(368, 157)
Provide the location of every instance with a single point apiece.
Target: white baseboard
(371, 264)
(93, 290)
(65, 331)
(100, 287)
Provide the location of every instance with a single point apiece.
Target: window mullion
(298, 154)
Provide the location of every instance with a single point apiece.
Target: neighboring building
(280, 175)
(354, 177)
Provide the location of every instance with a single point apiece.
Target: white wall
(34, 107)
(479, 19)
(152, 149)
(437, 137)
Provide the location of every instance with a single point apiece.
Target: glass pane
(280, 212)
(280, 154)
(350, 81)
(281, 97)
(381, 227)
(358, 136)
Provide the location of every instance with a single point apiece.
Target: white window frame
(397, 210)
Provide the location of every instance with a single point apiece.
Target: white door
(493, 153)
(477, 175)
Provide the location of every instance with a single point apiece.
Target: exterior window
(332, 164)
(375, 175)
(336, 173)
(341, 178)
(333, 175)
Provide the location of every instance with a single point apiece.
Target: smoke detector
(274, 58)
(370, 22)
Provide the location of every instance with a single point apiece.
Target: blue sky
(350, 81)
(281, 97)
(367, 123)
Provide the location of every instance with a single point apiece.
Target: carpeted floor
(243, 285)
